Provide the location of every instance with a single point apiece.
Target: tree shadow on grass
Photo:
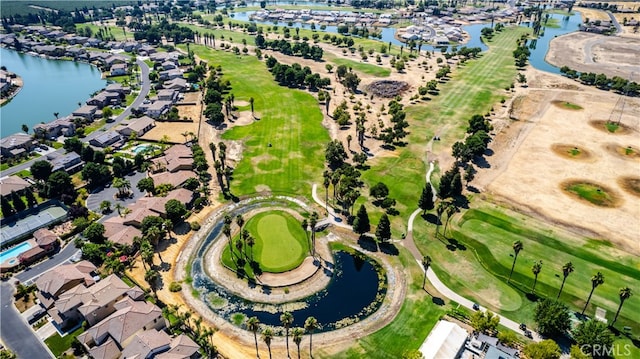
(431, 218)
(389, 248)
(368, 244)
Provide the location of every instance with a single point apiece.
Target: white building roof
(444, 341)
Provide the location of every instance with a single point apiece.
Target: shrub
(194, 226)
(175, 287)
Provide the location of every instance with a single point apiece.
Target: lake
(49, 86)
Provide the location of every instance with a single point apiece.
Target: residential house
(139, 317)
(92, 304)
(114, 59)
(138, 125)
(62, 278)
(12, 184)
(118, 69)
(170, 74)
(69, 162)
(56, 128)
(131, 46)
(46, 243)
(179, 84)
(169, 65)
(119, 233)
(16, 145)
(176, 158)
(50, 50)
(93, 42)
(86, 111)
(99, 100)
(175, 179)
(146, 50)
(118, 88)
(168, 95)
(108, 138)
(158, 108)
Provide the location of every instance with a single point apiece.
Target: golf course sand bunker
(571, 152)
(593, 193)
(630, 185)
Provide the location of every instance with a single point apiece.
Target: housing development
(319, 179)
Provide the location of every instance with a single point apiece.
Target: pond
(350, 296)
(49, 86)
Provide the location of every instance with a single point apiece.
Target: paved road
(108, 194)
(144, 91)
(16, 333)
(615, 22)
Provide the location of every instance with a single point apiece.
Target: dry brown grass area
(173, 131)
(527, 171)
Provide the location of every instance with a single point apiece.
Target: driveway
(109, 194)
(16, 333)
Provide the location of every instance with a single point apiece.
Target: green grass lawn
(281, 243)
(479, 267)
(58, 344)
(117, 32)
(365, 68)
(290, 120)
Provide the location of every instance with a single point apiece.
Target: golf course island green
(593, 193)
(280, 244)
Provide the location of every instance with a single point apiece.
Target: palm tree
(442, 206)
(625, 293)
(253, 324)
(267, 336)
(56, 114)
(297, 334)
(310, 325)
(326, 182)
(226, 230)
(240, 221)
(286, 319)
(451, 210)
(250, 241)
(537, 267)
(251, 100)
(313, 221)
(567, 269)
(426, 263)
(517, 247)
(596, 280)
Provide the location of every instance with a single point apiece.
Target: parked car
(35, 316)
(523, 327)
(476, 306)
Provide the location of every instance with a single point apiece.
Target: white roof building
(446, 340)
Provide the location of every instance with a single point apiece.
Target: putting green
(281, 243)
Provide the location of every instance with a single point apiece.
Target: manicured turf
(591, 193)
(473, 88)
(484, 256)
(58, 344)
(281, 243)
(290, 120)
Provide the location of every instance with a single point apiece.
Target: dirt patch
(589, 52)
(241, 103)
(571, 152)
(567, 105)
(387, 88)
(594, 193)
(172, 130)
(630, 185)
(627, 153)
(610, 127)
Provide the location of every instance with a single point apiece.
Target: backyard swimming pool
(14, 252)
(143, 148)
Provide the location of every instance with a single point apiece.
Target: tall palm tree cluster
(185, 322)
(286, 319)
(568, 268)
(242, 247)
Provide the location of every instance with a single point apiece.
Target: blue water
(540, 46)
(49, 86)
(143, 148)
(15, 251)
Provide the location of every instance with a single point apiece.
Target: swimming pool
(15, 251)
(143, 148)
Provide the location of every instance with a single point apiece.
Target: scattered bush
(175, 287)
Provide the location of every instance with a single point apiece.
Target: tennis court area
(16, 228)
